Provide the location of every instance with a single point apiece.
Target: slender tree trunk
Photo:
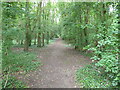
(43, 43)
(85, 30)
(27, 28)
(118, 35)
(47, 37)
(30, 41)
(44, 18)
(39, 40)
(39, 21)
(81, 36)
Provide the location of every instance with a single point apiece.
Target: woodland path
(58, 69)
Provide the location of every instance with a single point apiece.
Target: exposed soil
(58, 69)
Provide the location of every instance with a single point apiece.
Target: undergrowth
(12, 82)
(90, 77)
(14, 63)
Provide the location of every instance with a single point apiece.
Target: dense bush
(94, 27)
(90, 77)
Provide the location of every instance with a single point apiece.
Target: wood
(27, 28)
(39, 18)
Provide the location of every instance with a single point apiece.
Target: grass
(90, 77)
(13, 83)
(16, 62)
(20, 61)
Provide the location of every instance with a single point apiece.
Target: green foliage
(21, 22)
(10, 13)
(90, 77)
(106, 51)
(20, 61)
(12, 82)
(85, 25)
(93, 27)
(17, 62)
(74, 24)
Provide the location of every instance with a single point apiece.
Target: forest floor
(60, 63)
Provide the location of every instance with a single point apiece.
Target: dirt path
(59, 66)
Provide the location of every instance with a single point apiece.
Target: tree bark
(39, 21)
(27, 28)
(39, 40)
(85, 30)
(47, 37)
(43, 43)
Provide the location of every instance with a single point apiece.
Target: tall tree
(39, 22)
(27, 27)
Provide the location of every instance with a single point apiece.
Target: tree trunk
(118, 7)
(43, 43)
(85, 30)
(30, 40)
(27, 28)
(39, 40)
(39, 21)
(26, 41)
(47, 37)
